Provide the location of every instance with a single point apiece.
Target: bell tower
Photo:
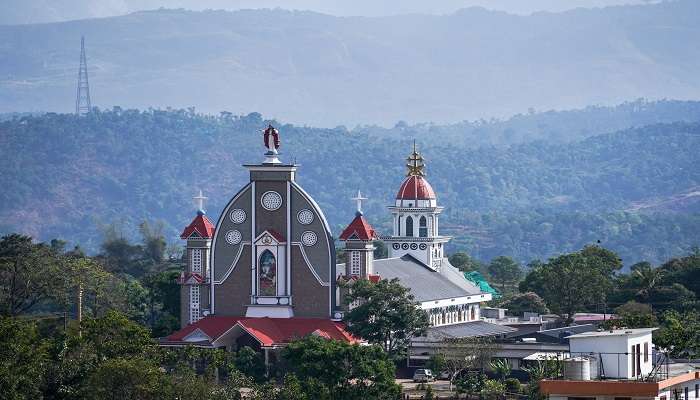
(416, 217)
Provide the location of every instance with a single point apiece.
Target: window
(409, 226)
(473, 313)
(196, 261)
(646, 351)
(355, 263)
(639, 360)
(686, 393)
(697, 391)
(194, 303)
(423, 227)
(267, 274)
(633, 373)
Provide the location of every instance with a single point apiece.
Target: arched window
(473, 316)
(423, 227)
(267, 274)
(409, 226)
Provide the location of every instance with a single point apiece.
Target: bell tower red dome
(415, 187)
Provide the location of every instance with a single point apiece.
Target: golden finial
(415, 163)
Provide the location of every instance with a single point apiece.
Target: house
(621, 364)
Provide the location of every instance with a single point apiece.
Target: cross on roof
(199, 199)
(359, 199)
(415, 163)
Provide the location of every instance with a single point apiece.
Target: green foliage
(679, 334)
(504, 270)
(632, 315)
(522, 302)
(436, 363)
(328, 369)
(575, 282)
(130, 379)
(463, 262)
(387, 314)
(512, 385)
(502, 368)
(493, 389)
(250, 363)
(471, 383)
(23, 360)
(528, 201)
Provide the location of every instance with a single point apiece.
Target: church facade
(266, 273)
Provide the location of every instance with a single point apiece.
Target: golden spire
(415, 163)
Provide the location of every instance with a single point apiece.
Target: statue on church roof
(271, 137)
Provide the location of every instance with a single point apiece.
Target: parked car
(444, 375)
(423, 375)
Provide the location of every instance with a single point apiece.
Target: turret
(195, 279)
(359, 248)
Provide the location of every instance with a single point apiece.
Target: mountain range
(321, 70)
(633, 186)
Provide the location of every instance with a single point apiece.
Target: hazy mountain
(635, 190)
(39, 11)
(323, 70)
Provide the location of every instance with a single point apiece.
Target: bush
(493, 389)
(512, 385)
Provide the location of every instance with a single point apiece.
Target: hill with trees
(79, 179)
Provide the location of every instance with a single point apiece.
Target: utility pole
(82, 100)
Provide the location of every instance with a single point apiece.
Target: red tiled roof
(268, 331)
(360, 227)
(374, 278)
(201, 225)
(415, 187)
(212, 326)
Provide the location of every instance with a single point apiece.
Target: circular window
(423, 246)
(396, 246)
(414, 246)
(238, 216)
(305, 217)
(271, 201)
(308, 238)
(404, 246)
(233, 237)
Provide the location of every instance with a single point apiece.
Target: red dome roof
(415, 187)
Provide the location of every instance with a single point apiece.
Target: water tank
(577, 369)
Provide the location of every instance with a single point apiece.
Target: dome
(415, 187)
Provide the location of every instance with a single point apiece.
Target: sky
(39, 11)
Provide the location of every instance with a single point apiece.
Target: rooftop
(613, 332)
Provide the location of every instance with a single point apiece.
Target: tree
(577, 281)
(23, 360)
(330, 369)
(250, 363)
(29, 274)
(126, 379)
(387, 315)
(380, 250)
(505, 270)
(112, 336)
(525, 302)
(463, 262)
(462, 354)
(632, 315)
(646, 278)
(679, 334)
(502, 368)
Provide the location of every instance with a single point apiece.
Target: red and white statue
(271, 137)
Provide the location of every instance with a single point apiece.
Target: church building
(265, 272)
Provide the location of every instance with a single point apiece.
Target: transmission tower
(82, 99)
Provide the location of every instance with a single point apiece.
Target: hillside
(66, 176)
(322, 70)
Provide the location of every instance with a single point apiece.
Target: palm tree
(646, 278)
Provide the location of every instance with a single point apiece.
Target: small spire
(359, 199)
(199, 199)
(416, 164)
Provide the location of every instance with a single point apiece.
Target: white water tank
(577, 369)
